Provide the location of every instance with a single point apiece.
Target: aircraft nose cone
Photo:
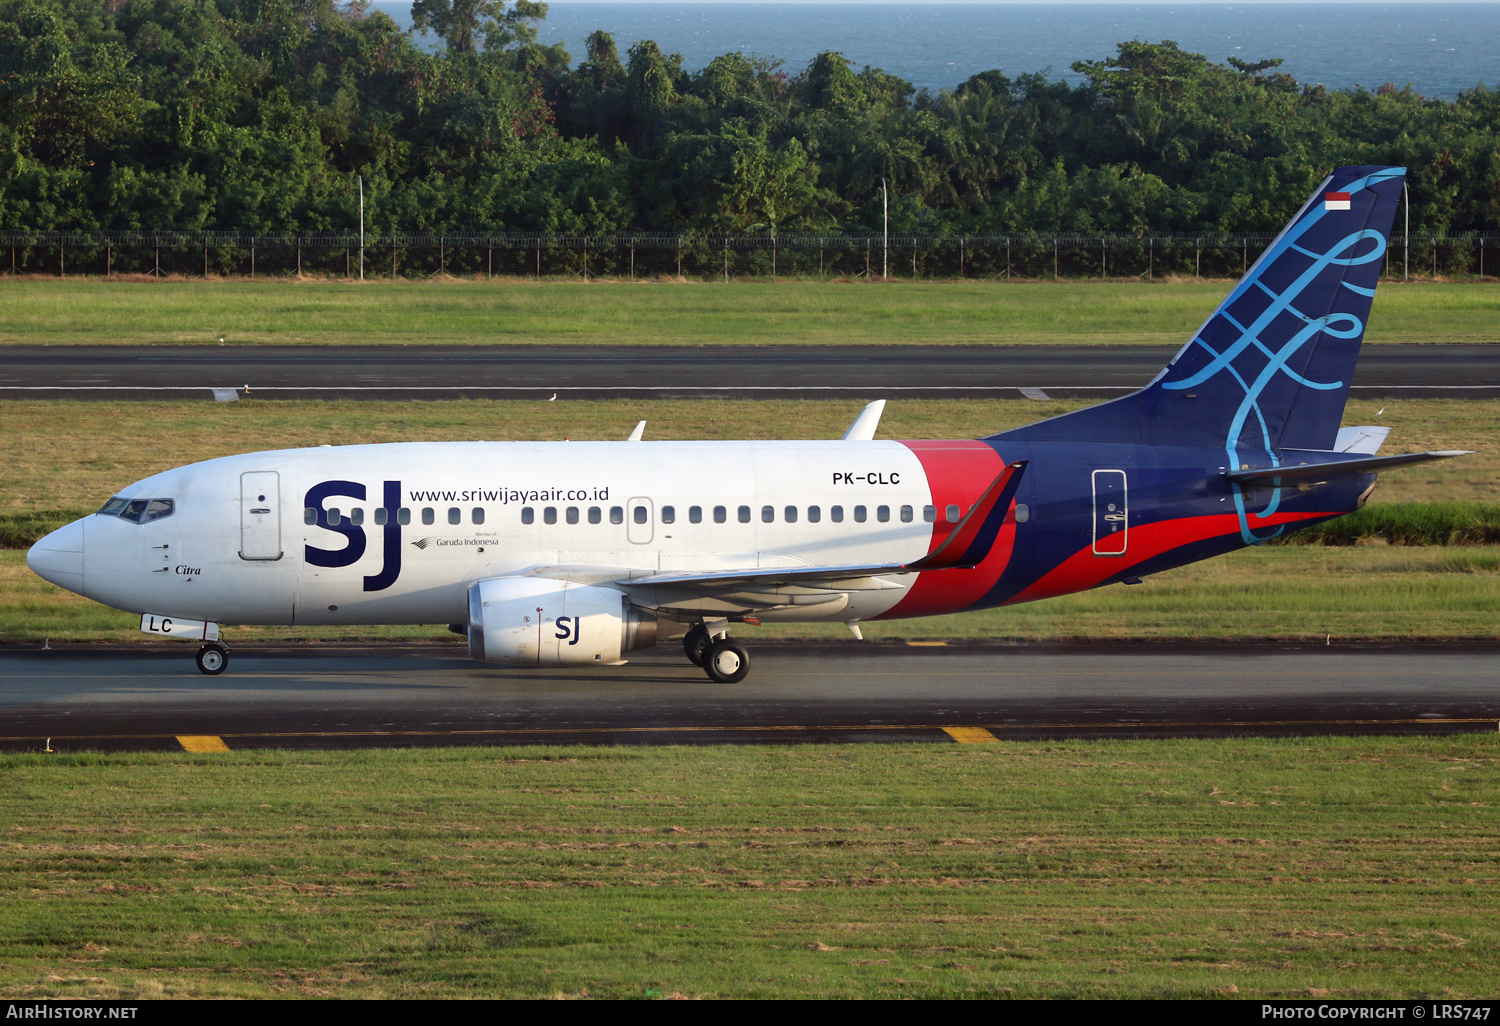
(59, 557)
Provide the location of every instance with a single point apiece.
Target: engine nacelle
(533, 621)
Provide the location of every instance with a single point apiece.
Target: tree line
(260, 115)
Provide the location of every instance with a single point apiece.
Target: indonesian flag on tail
(1335, 201)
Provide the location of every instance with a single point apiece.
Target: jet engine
(534, 621)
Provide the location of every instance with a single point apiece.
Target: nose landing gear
(213, 659)
(723, 659)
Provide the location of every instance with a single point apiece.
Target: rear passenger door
(1111, 513)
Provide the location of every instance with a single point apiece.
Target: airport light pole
(885, 241)
(361, 227)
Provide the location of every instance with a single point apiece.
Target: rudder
(1271, 368)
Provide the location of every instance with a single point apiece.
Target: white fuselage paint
(190, 564)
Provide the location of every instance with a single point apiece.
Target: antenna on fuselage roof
(863, 428)
(640, 429)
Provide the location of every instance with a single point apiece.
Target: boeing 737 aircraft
(575, 553)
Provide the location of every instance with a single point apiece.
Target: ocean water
(1438, 48)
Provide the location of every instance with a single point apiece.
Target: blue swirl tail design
(1270, 370)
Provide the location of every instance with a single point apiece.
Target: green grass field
(97, 312)
(1237, 868)
(1252, 869)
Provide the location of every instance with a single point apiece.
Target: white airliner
(575, 553)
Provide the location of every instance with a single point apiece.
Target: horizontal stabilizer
(1322, 467)
(1363, 440)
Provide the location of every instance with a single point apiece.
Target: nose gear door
(260, 515)
(1111, 513)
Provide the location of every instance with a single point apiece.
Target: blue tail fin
(1271, 368)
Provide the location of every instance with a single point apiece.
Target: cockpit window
(112, 507)
(143, 511)
(158, 510)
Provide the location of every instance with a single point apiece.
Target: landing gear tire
(213, 659)
(696, 644)
(726, 661)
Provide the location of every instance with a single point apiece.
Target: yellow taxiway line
(961, 734)
(202, 743)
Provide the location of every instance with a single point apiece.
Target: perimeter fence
(636, 255)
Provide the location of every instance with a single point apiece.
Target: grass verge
(1407, 523)
(453, 311)
(1313, 867)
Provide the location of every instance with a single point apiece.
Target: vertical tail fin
(1271, 368)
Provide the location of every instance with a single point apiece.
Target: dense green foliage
(258, 115)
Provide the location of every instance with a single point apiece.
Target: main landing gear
(213, 659)
(722, 658)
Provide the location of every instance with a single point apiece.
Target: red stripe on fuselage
(1084, 570)
(957, 474)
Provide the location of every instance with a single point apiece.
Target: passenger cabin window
(721, 515)
(668, 515)
(744, 514)
(356, 516)
(429, 515)
(476, 516)
(617, 514)
(695, 514)
(836, 514)
(953, 514)
(549, 515)
(929, 514)
(382, 516)
(335, 518)
(768, 514)
(596, 515)
(403, 516)
(883, 514)
(814, 514)
(571, 516)
(528, 515)
(455, 515)
(790, 513)
(906, 514)
(112, 507)
(639, 514)
(859, 514)
(310, 516)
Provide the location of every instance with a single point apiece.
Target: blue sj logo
(355, 548)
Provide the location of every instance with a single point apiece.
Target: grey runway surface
(595, 372)
(129, 698)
